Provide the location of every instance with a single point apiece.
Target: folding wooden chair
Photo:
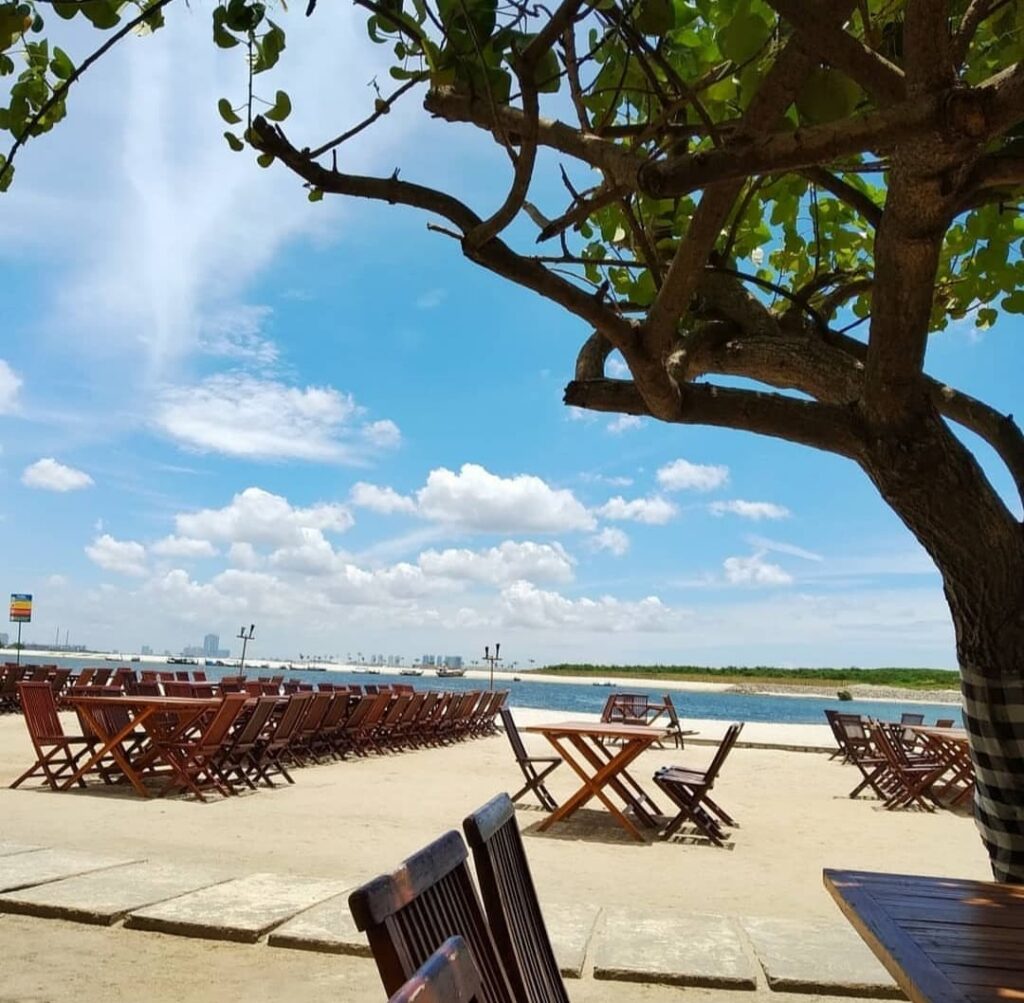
(945, 722)
(449, 975)
(510, 899)
(56, 758)
(912, 776)
(410, 913)
(268, 758)
(528, 765)
(675, 727)
(691, 792)
(236, 760)
(864, 754)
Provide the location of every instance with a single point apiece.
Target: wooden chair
(510, 899)
(675, 728)
(691, 792)
(268, 758)
(410, 913)
(237, 758)
(528, 765)
(912, 776)
(945, 722)
(56, 755)
(449, 975)
(625, 708)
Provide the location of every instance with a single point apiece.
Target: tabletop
(596, 729)
(944, 940)
(950, 734)
(125, 700)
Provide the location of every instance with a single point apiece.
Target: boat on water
(410, 672)
(178, 660)
(605, 683)
(447, 672)
(135, 658)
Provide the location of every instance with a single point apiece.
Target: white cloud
(377, 499)
(654, 511)
(500, 565)
(49, 475)
(764, 543)
(183, 546)
(10, 384)
(383, 434)
(580, 414)
(750, 510)
(616, 368)
(244, 556)
(476, 499)
(681, 475)
(237, 334)
(430, 299)
(624, 423)
(241, 415)
(124, 556)
(614, 540)
(754, 570)
(259, 517)
(615, 482)
(524, 605)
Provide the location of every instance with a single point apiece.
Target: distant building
(427, 660)
(4, 640)
(211, 645)
(451, 661)
(146, 650)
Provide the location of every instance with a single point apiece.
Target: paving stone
(326, 927)
(104, 897)
(818, 956)
(570, 928)
(243, 909)
(9, 849)
(677, 948)
(22, 870)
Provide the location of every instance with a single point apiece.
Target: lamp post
(245, 638)
(491, 659)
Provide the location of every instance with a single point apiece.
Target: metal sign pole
(18, 662)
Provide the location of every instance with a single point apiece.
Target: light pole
(245, 638)
(491, 659)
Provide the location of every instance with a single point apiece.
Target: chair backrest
(673, 715)
(627, 708)
(945, 722)
(40, 709)
(410, 913)
(178, 688)
(143, 688)
(100, 676)
(256, 721)
(199, 676)
(731, 734)
(292, 717)
(510, 899)
(514, 738)
(220, 724)
(182, 676)
(911, 718)
(359, 712)
(84, 677)
(449, 975)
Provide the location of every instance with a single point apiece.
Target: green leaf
(315, 194)
(269, 49)
(281, 109)
(234, 142)
(101, 13)
(227, 112)
(743, 37)
(655, 17)
(66, 9)
(827, 95)
(221, 36)
(6, 174)
(61, 65)
(265, 159)
(985, 318)
(1014, 303)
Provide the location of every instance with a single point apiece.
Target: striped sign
(21, 607)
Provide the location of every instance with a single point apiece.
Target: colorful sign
(21, 607)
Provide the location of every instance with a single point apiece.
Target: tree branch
(845, 192)
(883, 80)
(927, 58)
(823, 426)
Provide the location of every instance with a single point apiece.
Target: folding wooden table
(583, 745)
(943, 940)
(952, 747)
(160, 717)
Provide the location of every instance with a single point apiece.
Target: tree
(786, 193)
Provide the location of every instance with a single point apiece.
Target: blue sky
(221, 404)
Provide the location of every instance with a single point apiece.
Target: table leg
(633, 798)
(638, 792)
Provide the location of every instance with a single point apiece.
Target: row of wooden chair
(638, 708)
(246, 741)
(896, 766)
(502, 952)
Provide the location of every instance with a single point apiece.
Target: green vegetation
(911, 679)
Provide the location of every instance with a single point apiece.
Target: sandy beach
(352, 820)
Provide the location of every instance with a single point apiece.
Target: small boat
(447, 672)
(135, 658)
(372, 672)
(176, 660)
(516, 679)
(410, 672)
(605, 683)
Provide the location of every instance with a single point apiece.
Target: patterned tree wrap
(994, 717)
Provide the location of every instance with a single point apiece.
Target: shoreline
(775, 688)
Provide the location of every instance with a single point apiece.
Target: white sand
(358, 818)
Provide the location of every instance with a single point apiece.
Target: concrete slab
(104, 897)
(821, 957)
(22, 870)
(570, 928)
(327, 927)
(677, 949)
(243, 909)
(9, 849)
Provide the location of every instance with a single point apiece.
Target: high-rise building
(146, 650)
(211, 645)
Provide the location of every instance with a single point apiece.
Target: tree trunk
(937, 488)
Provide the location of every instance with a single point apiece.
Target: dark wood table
(952, 747)
(584, 745)
(160, 717)
(943, 940)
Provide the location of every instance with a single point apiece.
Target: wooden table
(943, 940)
(584, 746)
(159, 717)
(952, 747)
